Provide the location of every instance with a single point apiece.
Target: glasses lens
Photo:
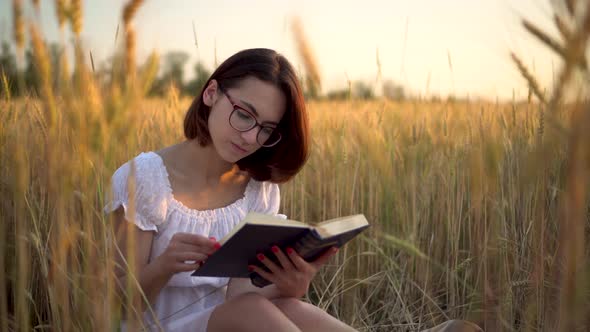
(268, 136)
(241, 120)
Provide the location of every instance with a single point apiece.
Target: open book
(257, 233)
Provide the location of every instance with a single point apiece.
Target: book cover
(257, 233)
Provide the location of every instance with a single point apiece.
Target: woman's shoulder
(144, 167)
(139, 180)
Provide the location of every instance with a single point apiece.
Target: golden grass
(61, 13)
(76, 19)
(128, 13)
(313, 79)
(463, 218)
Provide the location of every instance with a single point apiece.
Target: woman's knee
(247, 302)
(293, 307)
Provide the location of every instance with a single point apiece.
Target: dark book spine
(311, 246)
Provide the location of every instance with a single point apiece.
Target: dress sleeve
(148, 199)
(268, 200)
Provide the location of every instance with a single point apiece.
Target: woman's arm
(183, 254)
(150, 276)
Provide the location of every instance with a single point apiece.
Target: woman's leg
(249, 312)
(308, 317)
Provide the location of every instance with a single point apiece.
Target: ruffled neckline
(178, 205)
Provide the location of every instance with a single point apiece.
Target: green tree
(393, 91)
(31, 74)
(362, 90)
(172, 72)
(195, 86)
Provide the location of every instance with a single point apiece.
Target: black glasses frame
(254, 125)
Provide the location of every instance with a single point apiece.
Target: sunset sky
(429, 46)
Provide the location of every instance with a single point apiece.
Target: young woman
(245, 132)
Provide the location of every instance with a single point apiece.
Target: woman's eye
(267, 130)
(243, 115)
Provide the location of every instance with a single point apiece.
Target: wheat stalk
(149, 72)
(543, 37)
(61, 13)
(130, 10)
(550, 42)
(76, 17)
(19, 24)
(571, 6)
(44, 70)
(564, 30)
(5, 87)
(128, 14)
(130, 52)
(305, 52)
(574, 54)
(533, 85)
(541, 123)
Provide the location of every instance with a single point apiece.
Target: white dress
(185, 303)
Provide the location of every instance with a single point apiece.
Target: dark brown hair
(282, 161)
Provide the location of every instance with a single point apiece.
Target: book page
(341, 225)
(262, 219)
(267, 219)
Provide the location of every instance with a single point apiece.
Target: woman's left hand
(293, 275)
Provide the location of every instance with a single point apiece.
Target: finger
(298, 261)
(178, 247)
(183, 267)
(266, 275)
(195, 239)
(190, 256)
(274, 268)
(208, 245)
(283, 259)
(325, 257)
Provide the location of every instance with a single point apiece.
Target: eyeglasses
(243, 120)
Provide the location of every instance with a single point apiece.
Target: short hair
(284, 160)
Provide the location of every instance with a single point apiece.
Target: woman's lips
(238, 148)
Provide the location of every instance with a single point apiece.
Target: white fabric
(186, 302)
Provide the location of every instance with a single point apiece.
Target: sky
(431, 47)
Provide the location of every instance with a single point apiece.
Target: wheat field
(479, 210)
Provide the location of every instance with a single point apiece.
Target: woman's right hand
(185, 252)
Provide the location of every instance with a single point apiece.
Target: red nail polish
(289, 251)
(213, 238)
(250, 268)
(260, 257)
(275, 249)
(217, 245)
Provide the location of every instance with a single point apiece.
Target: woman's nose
(250, 135)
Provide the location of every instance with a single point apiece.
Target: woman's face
(261, 99)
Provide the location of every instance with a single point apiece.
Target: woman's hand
(293, 275)
(186, 252)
